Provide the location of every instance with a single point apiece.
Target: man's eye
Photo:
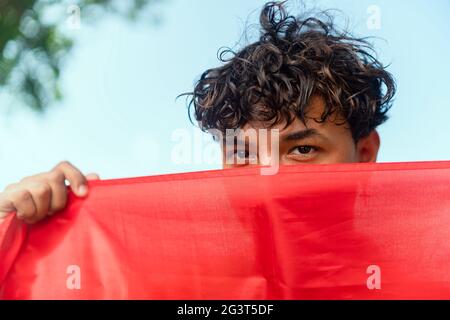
(242, 157)
(303, 150)
(245, 154)
(241, 154)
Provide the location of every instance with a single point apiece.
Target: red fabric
(309, 232)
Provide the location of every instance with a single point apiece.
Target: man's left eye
(303, 150)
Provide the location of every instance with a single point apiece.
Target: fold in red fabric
(344, 231)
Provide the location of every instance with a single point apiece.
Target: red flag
(343, 231)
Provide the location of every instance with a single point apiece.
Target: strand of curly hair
(273, 79)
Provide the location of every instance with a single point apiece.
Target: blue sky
(120, 84)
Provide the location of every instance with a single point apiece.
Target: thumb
(92, 176)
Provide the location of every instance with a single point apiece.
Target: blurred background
(95, 81)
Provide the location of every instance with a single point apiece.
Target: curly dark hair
(273, 79)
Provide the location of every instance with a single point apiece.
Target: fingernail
(82, 190)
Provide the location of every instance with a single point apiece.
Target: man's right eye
(241, 154)
(242, 157)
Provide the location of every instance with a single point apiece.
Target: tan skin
(36, 197)
(315, 143)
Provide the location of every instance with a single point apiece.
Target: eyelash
(233, 156)
(247, 153)
(313, 148)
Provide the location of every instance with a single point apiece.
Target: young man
(322, 90)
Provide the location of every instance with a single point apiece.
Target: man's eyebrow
(297, 135)
(303, 134)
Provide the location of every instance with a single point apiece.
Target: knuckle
(10, 187)
(26, 179)
(23, 195)
(42, 190)
(64, 164)
(55, 175)
(35, 178)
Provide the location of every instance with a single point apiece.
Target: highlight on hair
(272, 79)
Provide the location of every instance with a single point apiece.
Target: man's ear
(367, 147)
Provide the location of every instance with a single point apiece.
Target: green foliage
(33, 46)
